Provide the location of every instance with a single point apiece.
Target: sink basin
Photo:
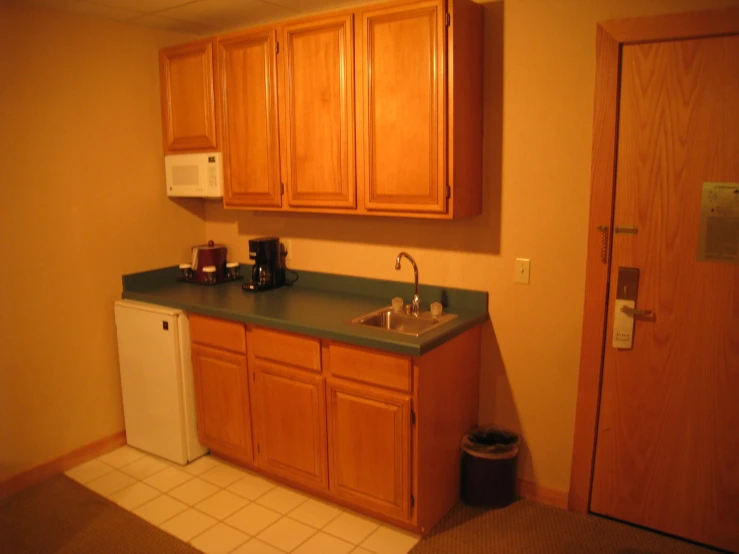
(399, 322)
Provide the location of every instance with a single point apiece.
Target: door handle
(633, 312)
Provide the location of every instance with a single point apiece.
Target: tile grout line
(248, 536)
(341, 511)
(283, 516)
(182, 512)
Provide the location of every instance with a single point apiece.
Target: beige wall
(82, 202)
(543, 53)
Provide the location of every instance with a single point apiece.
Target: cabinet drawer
(218, 333)
(286, 348)
(368, 366)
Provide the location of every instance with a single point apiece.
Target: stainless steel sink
(399, 322)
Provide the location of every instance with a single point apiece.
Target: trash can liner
(491, 440)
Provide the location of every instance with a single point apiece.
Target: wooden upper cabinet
(247, 80)
(371, 111)
(403, 101)
(189, 115)
(317, 109)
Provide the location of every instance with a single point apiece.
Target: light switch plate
(523, 271)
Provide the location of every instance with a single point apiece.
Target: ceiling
(198, 17)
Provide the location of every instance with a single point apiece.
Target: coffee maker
(268, 271)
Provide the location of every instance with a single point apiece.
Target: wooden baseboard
(61, 464)
(542, 495)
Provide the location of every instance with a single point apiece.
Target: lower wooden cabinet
(369, 447)
(222, 391)
(376, 431)
(290, 408)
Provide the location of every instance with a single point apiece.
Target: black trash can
(489, 456)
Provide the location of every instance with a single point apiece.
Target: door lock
(627, 287)
(632, 312)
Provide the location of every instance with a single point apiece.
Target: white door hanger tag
(623, 324)
(624, 306)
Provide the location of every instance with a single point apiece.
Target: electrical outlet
(287, 246)
(523, 271)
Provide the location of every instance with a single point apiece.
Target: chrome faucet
(416, 300)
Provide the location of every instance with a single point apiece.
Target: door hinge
(413, 501)
(448, 192)
(282, 188)
(448, 20)
(603, 229)
(277, 47)
(413, 417)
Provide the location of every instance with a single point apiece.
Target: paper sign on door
(718, 237)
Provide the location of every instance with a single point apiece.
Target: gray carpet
(60, 516)
(528, 528)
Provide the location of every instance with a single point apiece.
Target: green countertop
(318, 304)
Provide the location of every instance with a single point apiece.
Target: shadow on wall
(477, 234)
(497, 405)
(193, 205)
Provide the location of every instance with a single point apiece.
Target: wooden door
(291, 411)
(248, 81)
(403, 84)
(222, 393)
(189, 118)
(369, 447)
(667, 454)
(317, 106)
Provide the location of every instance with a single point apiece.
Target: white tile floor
(220, 508)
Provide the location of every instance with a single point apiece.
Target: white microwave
(196, 175)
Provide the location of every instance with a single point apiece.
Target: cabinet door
(369, 447)
(317, 103)
(251, 160)
(403, 101)
(222, 392)
(291, 410)
(189, 119)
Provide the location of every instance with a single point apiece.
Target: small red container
(204, 255)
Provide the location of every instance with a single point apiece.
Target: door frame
(611, 36)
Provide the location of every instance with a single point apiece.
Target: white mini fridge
(157, 380)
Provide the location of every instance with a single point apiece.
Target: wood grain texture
(190, 119)
(222, 395)
(373, 471)
(404, 104)
(447, 407)
(217, 333)
(464, 125)
(364, 365)
(674, 26)
(667, 452)
(286, 348)
(603, 181)
(62, 463)
(317, 109)
(291, 416)
(247, 76)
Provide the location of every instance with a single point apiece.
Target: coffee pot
(268, 271)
